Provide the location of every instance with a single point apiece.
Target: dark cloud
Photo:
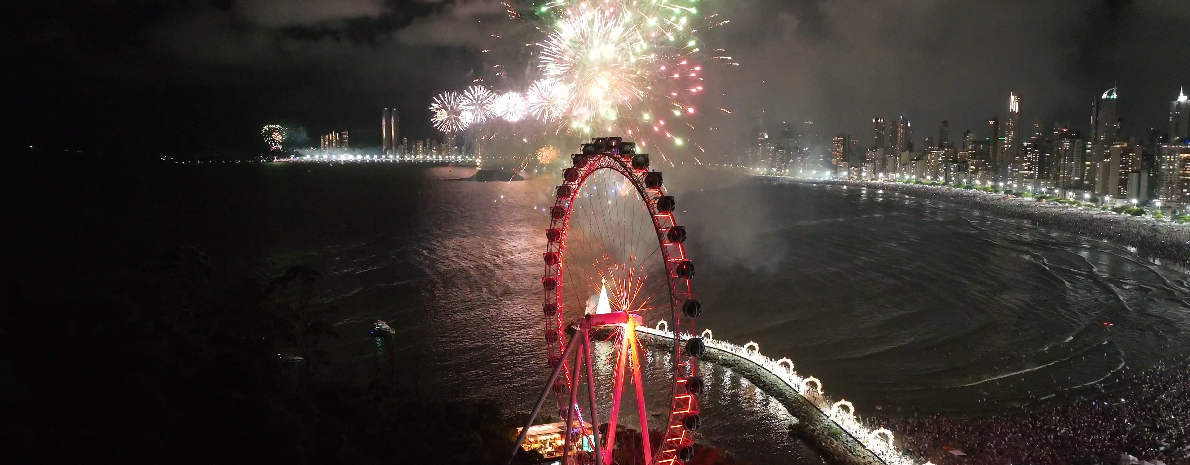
(842, 62)
(218, 67)
(279, 13)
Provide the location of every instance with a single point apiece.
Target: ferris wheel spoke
(640, 400)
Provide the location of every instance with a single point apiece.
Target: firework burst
(548, 100)
(597, 53)
(477, 102)
(511, 107)
(620, 66)
(449, 116)
(274, 135)
(547, 154)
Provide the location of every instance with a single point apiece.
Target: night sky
(203, 76)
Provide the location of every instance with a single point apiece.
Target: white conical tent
(603, 306)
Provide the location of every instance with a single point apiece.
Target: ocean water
(898, 304)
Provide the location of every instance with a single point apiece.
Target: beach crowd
(1149, 422)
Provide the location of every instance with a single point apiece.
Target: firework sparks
(547, 154)
(596, 52)
(477, 102)
(610, 65)
(511, 107)
(548, 100)
(623, 286)
(274, 135)
(448, 113)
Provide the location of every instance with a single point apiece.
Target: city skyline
(1109, 166)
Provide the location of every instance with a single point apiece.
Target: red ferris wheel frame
(677, 444)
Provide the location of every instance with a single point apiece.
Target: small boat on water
(382, 329)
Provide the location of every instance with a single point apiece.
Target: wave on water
(1069, 357)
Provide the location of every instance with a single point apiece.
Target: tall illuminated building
(979, 162)
(1010, 152)
(1105, 130)
(1179, 117)
(944, 134)
(1174, 178)
(904, 134)
(855, 163)
(1033, 163)
(840, 156)
(386, 137)
(1104, 121)
(875, 159)
(1068, 164)
(878, 134)
(390, 130)
(994, 147)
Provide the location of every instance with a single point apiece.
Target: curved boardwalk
(830, 426)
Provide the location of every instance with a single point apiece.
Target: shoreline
(1148, 405)
(1164, 241)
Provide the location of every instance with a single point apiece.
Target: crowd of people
(1155, 238)
(1149, 421)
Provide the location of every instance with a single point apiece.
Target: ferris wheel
(615, 259)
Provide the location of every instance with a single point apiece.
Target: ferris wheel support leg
(572, 406)
(640, 400)
(617, 389)
(545, 394)
(591, 396)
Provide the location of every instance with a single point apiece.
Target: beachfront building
(1174, 178)
(1067, 159)
(980, 167)
(1012, 161)
(1179, 117)
(1120, 178)
(840, 155)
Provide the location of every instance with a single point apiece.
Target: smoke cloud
(842, 62)
(231, 64)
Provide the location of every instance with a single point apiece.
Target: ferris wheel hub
(611, 319)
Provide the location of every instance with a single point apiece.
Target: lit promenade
(878, 442)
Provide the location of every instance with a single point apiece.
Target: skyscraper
(875, 161)
(1174, 180)
(1103, 118)
(904, 135)
(394, 128)
(386, 138)
(944, 134)
(979, 166)
(878, 137)
(994, 161)
(390, 130)
(1105, 130)
(1010, 153)
(1069, 151)
(840, 145)
(1179, 117)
